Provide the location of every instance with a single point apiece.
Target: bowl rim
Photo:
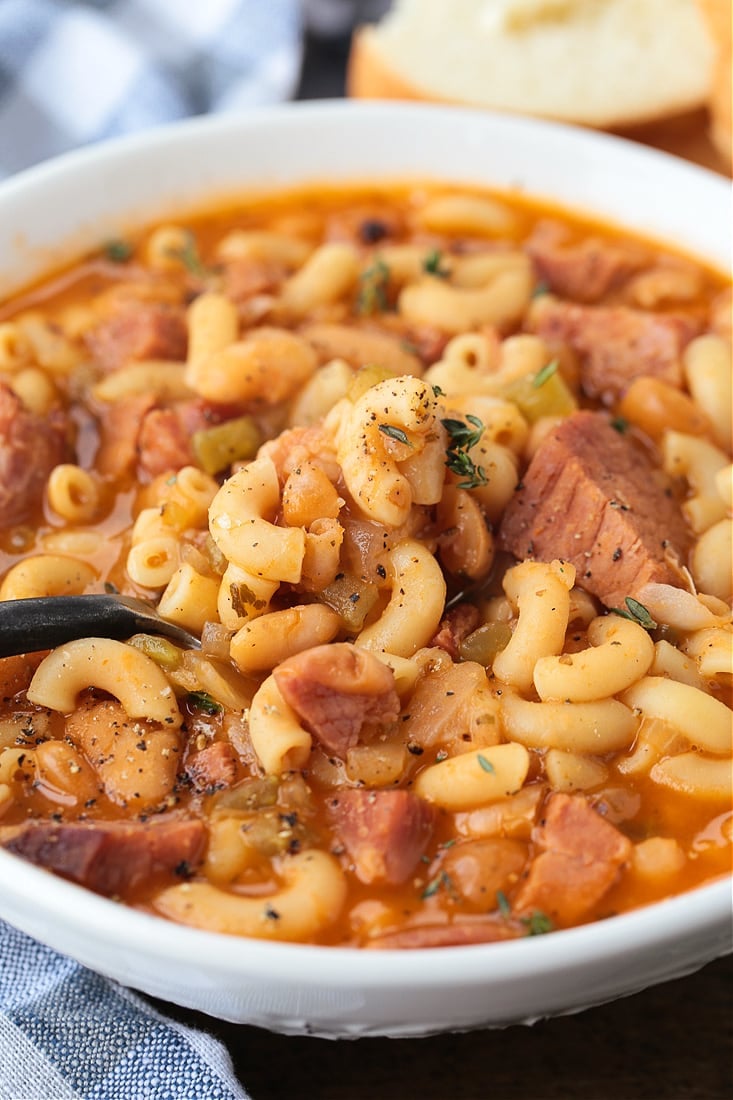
(634, 167)
(659, 924)
(324, 110)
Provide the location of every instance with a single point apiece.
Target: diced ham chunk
(384, 832)
(163, 442)
(119, 429)
(341, 694)
(213, 768)
(30, 447)
(590, 497)
(441, 706)
(250, 275)
(457, 624)
(138, 330)
(427, 342)
(135, 431)
(164, 437)
(585, 270)
(16, 673)
(581, 860)
(458, 933)
(111, 857)
(615, 345)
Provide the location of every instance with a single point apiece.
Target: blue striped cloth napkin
(72, 74)
(69, 1034)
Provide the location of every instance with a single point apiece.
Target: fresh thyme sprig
(458, 459)
(188, 256)
(537, 924)
(461, 435)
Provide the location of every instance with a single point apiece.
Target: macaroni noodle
(441, 481)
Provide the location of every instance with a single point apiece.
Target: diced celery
(484, 644)
(352, 598)
(248, 796)
(366, 377)
(550, 398)
(160, 650)
(216, 448)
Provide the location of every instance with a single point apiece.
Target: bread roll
(601, 63)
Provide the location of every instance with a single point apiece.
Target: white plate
(71, 204)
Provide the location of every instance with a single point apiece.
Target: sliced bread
(602, 63)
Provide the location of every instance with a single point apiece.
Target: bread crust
(369, 77)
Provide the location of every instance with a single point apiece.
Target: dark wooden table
(672, 1042)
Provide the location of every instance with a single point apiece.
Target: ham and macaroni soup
(443, 481)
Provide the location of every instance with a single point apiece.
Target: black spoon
(46, 621)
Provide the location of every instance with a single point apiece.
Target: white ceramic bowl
(69, 205)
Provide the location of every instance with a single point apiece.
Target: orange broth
(279, 818)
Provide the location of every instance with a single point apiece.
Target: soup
(442, 481)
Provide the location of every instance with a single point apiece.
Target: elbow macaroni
(238, 525)
(541, 595)
(277, 736)
(416, 603)
(123, 671)
(391, 721)
(391, 450)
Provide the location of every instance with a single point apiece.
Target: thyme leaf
(486, 764)
(502, 904)
(433, 886)
(205, 702)
(373, 284)
(442, 879)
(395, 433)
(243, 598)
(636, 612)
(544, 373)
(432, 264)
(117, 250)
(188, 256)
(537, 924)
(461, 435)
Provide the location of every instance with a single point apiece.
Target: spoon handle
(43, 622)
